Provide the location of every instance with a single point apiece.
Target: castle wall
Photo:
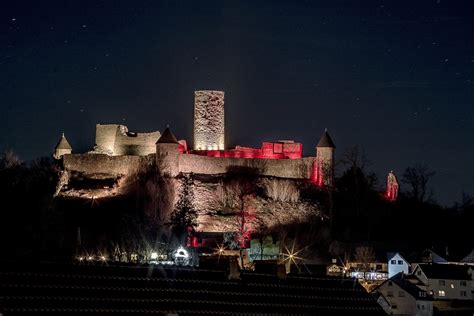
(117, 140)
(284, 168)
(105, 136)
(91, 164)
(138, 144)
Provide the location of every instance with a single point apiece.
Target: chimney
(281, 271)
(234, 273)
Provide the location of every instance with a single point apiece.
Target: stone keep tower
(62, 148)
(167, 154)
(209, 120)
(325, 160)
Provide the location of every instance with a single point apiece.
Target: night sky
(395, 77)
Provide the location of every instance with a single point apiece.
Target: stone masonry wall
(105, 136)
(209, 120)
(139, 144)
(283, 168)
(117, 140)
(91, 164)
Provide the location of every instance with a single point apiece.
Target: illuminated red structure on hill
(391, 193)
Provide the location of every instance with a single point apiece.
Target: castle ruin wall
(139, 144)
(105, 136)
(283, 168)
(93, 164)
(117, 140)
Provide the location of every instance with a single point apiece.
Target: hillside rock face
(220, 205)
(219, 200)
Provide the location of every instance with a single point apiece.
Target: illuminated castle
(119, 152)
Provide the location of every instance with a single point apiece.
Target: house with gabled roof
(396, 264)
(469, 259)
(429, 256)
(406, 261)
(404, 297)
(446, 281)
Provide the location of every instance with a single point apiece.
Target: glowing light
(103, 258)
(181, 256)
(90, 258)
(80, 258)
(291, 256)
(181, 253)
(154, 255)
(220, 250)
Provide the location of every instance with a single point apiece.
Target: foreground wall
(90, 164)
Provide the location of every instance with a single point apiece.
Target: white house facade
(405, 298)
(446, 281)
(397, 264)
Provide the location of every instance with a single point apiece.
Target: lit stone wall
(209, 120)
(325, 158)
(117, 140)
(105, 136)
(136, 144)
(58, 153)
(284, 168)
(93, 164)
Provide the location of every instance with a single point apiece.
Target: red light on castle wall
(317, 175)
(267, 151)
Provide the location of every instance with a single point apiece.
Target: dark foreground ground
(49, 288)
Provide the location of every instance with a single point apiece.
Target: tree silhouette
(184, 216)
(417, 178)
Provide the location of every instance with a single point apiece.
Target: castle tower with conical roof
(323, 171)
(167, 154)
(62, 148)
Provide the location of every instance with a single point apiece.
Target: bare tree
(282, 190)
(356, 180)
(417, 178)
(364, 255)
(240, 198)
(9, 160)
(355, 158)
